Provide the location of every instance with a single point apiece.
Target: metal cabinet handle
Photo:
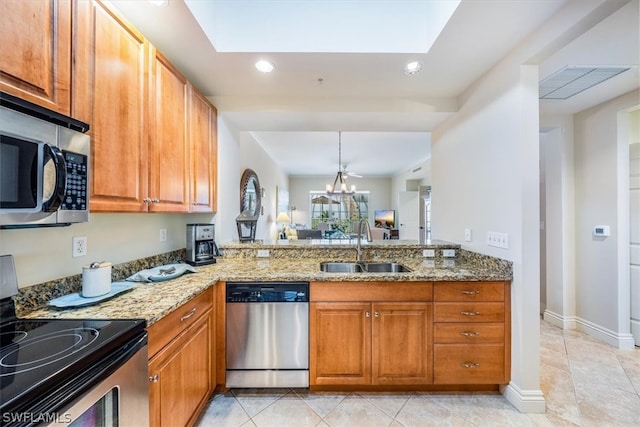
(376, 314)
(188, 315)
(470, 313)
(469, 365)
(475, 292)
(469, 333)
(155, 200)
(367, 314)
(154, 379)
(146, 200)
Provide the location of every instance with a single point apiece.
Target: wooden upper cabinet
(110, 93)
(168, 137)
(35, 58)
(204, 154)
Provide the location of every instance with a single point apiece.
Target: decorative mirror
(250, 193)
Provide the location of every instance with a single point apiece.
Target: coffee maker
(201, 244)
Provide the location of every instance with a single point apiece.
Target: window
(337, 215)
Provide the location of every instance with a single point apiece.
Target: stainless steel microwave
(44, 166)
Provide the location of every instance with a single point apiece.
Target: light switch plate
(498, 240)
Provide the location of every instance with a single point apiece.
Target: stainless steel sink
(363, 267)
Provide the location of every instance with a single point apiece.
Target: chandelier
(339, 187)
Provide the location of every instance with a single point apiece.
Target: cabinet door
(402, 351)
(340, 343)
(35, 59)
(110, 93)
(204, 157)
(181, 377)
(168, 144)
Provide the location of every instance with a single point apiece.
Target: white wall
(485, 177)
(238, 151)
(44, 254)
(253, 156)
(557, 147)
(299, 187)
(602, 170)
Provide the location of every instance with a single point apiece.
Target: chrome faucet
(359, 241)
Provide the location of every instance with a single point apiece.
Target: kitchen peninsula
(444, 325)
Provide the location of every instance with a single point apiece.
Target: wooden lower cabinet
(361, 343)
(181, 372)
(472, 333)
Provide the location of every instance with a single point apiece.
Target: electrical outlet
(428, 253)
(263, 253)
(448, 253)
(163, 234)
(79, 246)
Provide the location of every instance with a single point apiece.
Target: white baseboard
(525, 401)
(563, 322)
(622, 341)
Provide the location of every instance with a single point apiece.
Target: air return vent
(572, 80)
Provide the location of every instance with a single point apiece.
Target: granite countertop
(155, 300)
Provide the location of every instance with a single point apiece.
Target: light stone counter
(156, 300)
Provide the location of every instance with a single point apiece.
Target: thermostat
(602, 231)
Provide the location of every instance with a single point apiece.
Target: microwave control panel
(75, 197)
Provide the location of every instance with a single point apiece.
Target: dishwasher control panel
(267, 292)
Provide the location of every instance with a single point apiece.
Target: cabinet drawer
(469, 364)
(172, 325)
(463, 333)
(468, 291)
(469, 312)
(370, 291)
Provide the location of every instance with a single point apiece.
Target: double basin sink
(363, 267)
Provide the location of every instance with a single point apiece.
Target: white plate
(77, 300)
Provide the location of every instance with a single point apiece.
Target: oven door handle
(55, 156)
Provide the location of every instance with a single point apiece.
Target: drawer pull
(188, 315)
(469, 365)
(470, 313)
(469, 334)
(476, 292)
(154, 379)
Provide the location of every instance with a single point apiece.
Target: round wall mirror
(250, 193)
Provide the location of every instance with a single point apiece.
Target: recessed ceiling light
(158, 2)
(412, 67)
(264, 66)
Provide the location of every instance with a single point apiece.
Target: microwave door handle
(60, 166)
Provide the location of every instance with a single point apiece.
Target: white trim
(623, 341)
(563, 322)
(525, 401)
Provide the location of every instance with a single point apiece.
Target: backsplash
(37, 296)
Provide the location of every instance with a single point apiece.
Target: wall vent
(572, 80)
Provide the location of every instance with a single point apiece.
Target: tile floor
(585, 382)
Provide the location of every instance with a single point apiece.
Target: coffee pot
(201, 244)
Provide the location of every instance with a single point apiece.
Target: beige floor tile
(288, 411)
(255, 400)
(630, 362)
(224, 411)
(496, 411)
(559, 394)
(357, 412)
(422, 411)
(389, 403)
(321, 402)
(601, 406)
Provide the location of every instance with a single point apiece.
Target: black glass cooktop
(38, 357)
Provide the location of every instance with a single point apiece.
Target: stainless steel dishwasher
(267, 334)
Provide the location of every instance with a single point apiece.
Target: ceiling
(386, 116)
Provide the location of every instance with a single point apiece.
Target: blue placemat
(77, 300)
